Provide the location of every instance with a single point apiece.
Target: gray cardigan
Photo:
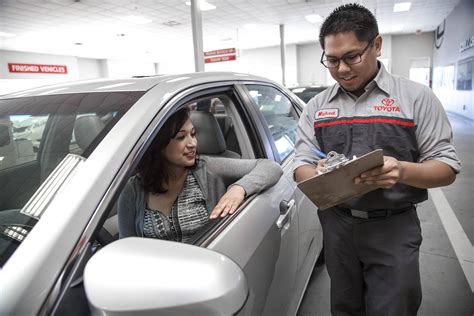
(213, 175)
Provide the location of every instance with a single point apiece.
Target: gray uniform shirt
(402, 117)
(213, 175)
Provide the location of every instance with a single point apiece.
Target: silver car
(59, 246)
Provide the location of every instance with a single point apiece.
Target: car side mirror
(4, 136)
(143, 276)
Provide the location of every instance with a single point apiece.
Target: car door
(266, 223)
(280, 115)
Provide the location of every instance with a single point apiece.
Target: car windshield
(36, 135)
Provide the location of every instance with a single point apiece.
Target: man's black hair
(350, 17)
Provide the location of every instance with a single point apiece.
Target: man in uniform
(372, 242)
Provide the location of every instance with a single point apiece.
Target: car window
(215, 133)
(216, 105)
(36, 135)
(307, 93)
(86, 129)
(279, 114)
(23, 134)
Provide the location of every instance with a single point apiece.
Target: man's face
(354, 77)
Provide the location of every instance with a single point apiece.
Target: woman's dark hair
(153, 168)
(350, 17)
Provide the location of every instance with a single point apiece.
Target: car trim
(48, 189)
(263, 128)
(260, 128)
(215, 227)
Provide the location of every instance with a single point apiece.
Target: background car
(308, 92)
(59, 247)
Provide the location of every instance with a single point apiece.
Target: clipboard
(334, 187)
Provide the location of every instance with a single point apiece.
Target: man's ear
(378, 45)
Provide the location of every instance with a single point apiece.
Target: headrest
(209, 135)
(86, 129)
(204, 105)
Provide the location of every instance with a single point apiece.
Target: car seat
(86, 129)
(209, 135)
(227, 128)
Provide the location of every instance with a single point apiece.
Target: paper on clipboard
(337, 186)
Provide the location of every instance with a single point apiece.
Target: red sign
(37, 69)
(224, 51)
(219, 59)
(218, 55)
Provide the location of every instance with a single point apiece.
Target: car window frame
(244, 116)
(262, 121)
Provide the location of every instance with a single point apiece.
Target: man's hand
(229, 202)
(385, 176)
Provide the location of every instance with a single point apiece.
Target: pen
(319, 153)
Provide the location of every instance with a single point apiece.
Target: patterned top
(188, 215)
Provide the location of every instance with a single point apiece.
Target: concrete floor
(446, 255)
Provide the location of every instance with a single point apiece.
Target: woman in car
(175, 193)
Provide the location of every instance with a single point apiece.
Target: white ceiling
(56, 26)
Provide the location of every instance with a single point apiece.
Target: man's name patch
(326, 113)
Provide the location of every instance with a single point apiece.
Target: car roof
(135, 83)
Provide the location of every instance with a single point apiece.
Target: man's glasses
(349, 59)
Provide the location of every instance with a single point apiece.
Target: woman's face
(181, 150)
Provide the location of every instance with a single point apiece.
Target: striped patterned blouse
(188, 215)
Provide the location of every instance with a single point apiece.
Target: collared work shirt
(402, 117)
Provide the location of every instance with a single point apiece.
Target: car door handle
(286, 211)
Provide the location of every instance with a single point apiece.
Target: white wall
(459, 26)
(310, 70)
(32, 58)
(10, 82)
(387, 52)
(89, 68)
(291, 66)
(181, 62)
(408, 47)
(77, 69)
(129, 68)
(265, 62)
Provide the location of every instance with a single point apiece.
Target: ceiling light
(136, 19)
(314, 18)
(401, 6)
(203, 5)
(171, 23)
(4, 34)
